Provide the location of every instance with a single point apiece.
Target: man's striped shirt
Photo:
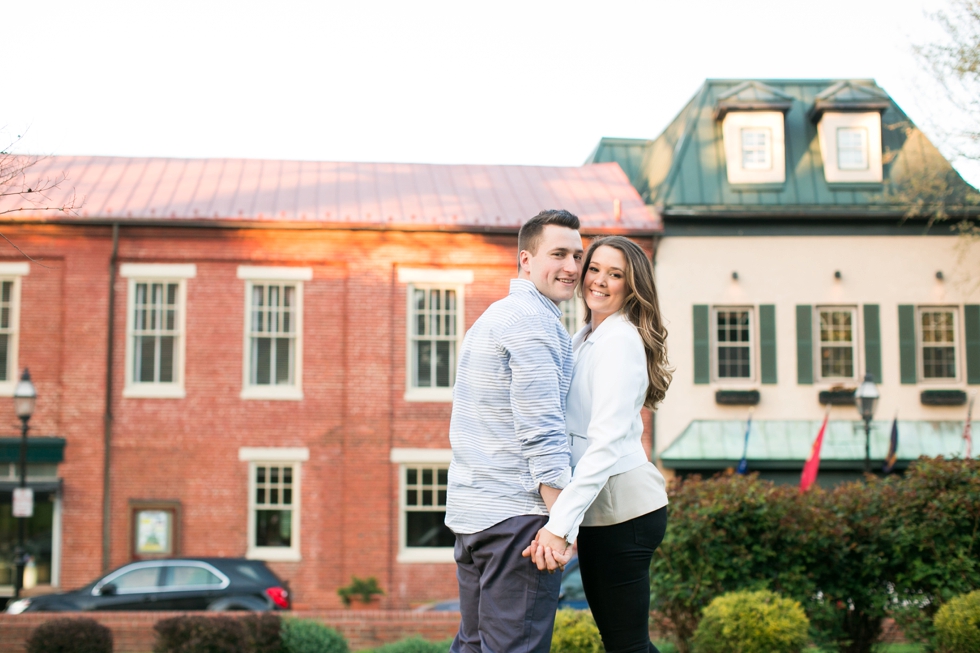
(508, 423)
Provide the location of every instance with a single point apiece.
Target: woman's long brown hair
(642, 309)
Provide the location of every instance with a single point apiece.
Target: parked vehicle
(177, 584)
(572, 595)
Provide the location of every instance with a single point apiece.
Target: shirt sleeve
(536, 359)
(619, 383)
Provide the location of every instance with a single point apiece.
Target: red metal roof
(319, 193)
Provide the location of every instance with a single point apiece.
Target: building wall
(791, 270)
(353, 411)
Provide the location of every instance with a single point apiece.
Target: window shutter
(872, 342)
(767, 342)
(972, 324)
(906, 342)
(702, 365)
(804, 344)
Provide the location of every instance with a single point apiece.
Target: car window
(137, 579)
(571, 585)
(186, 576)
(246, 570)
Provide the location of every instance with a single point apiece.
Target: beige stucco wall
(791, 270)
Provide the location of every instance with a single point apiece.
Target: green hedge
(70, 636)
(865, 550)
(416, 645)
(752, 622)
(575, 632)
(309, 636)
(958, 625)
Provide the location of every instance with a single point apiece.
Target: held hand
(548, 551)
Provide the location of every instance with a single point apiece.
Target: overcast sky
(443, 82)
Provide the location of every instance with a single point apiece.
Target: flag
(743, 464)
(967, 430)
(892, 448)
(813, 463)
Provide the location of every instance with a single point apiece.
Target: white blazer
(603, 422)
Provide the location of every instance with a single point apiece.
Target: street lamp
(866, 398)
(24, 397)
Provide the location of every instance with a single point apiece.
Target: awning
(786, 444)
(53, 485)
(41, 449)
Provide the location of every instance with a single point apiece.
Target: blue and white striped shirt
(508, 423)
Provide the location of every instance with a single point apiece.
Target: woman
(616, 494)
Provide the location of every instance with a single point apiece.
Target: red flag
(813, 464)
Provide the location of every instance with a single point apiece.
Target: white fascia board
(270, 273)
(434, 275)
(400, 455)
(15, 269)
(158, 270)
(274, 454)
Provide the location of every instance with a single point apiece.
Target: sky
(530, 82)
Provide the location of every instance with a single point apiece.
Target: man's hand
(549, 494)
(548, 551)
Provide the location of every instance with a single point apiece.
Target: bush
(362, 588)
(198, 634)
(263, 633)
(958, 625)
(576, 632)
(70, 636)
(309, 636)
(752, 622)
(415, 645)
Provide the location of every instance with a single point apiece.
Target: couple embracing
(545, 434)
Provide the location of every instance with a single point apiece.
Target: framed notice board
(154, 529)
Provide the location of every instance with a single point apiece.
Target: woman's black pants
(615, 564)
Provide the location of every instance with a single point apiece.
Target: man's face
(555, 268)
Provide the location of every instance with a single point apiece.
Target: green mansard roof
(682, 172)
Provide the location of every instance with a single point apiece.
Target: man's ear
(524, 261)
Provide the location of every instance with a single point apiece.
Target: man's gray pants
(507, 605)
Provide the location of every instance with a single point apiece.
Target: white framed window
(273, 349)
(837, 342)
(572, 314)
(733, 343)
(155, 328)
(755, 147)
(10, 274)
(938, 343)
(274, 475)
(850, 144)
(435, 322)
(423, 480)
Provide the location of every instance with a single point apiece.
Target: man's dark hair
(529, 237)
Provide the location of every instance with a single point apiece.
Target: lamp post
(24, 397)
(866, 398)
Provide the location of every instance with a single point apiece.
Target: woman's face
(605, 282)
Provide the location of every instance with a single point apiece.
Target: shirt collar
(604, 328)
(526, 285)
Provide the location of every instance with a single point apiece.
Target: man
(510, 451)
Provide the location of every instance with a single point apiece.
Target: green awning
(41, 449)
(786, 444)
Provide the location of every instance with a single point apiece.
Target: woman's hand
(548, 551)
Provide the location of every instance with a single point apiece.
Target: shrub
(576, 632)
(70, 636)
(415, 645)
(361, 588)
(309, 636)
(198, 634)
(752, 622)
(958, 625)
(263, 633)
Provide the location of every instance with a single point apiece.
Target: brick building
(280, 341)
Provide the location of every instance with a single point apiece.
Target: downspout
(107, 417)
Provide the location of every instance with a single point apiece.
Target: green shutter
(767, 342)
(702, 348)
(872, 342)
(972, 323)
(804, 345)
(906, 343)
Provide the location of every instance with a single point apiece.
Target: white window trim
(428, 279)
(156, 271)
(411, 458)
(856, 332)
(753, 346)
(252, 275)
(830, 121)
(920, 349)
(733, 124)
(13, 272)
(255, 456)
(579, 314)
(175, 389)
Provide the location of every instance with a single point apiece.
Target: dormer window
(756, 148)
(852, 148)
(850, 143)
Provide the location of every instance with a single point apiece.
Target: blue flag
(743, 464)
(892, 448)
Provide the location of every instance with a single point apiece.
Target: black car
(178, 584)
